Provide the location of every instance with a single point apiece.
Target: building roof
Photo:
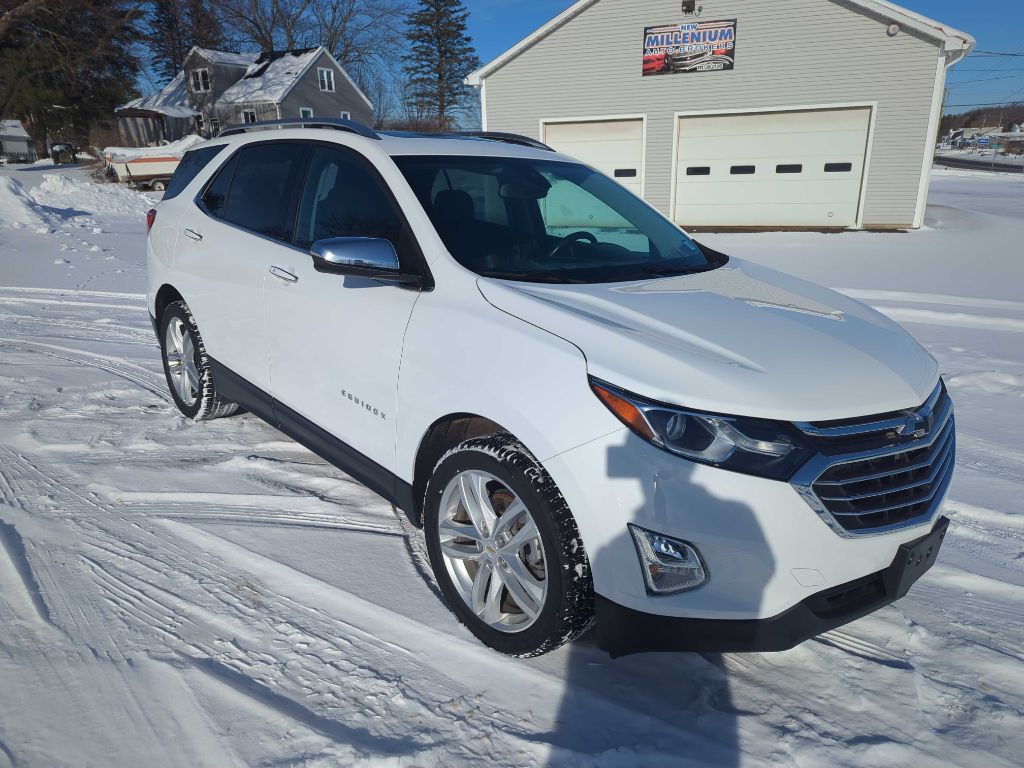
(271, 76)
(956, 42)
(172, 100)
(227, 58)
(13, 128)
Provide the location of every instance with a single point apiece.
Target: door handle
(283, 274)
(191, 233)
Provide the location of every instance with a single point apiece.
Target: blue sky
(497, 25)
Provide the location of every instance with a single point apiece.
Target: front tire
(505, 549)
(187, 368)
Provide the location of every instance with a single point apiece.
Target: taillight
(150, 219)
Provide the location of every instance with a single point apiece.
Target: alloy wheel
(179, 351)
(492, 551)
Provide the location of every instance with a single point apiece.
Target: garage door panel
(751, 193)
(779, 145)
(807, 168)
(781, 215)
(607, 145)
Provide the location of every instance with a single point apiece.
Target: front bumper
(622, 631)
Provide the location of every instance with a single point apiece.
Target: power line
(994, 53)
(986, 80)
(988, 104)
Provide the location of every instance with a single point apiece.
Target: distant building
(817, 114)
(15, 143)
(220, 88)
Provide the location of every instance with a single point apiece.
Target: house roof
(957, 43)
(275, 73)
(171, 100)
(271, 76)
(227, 58)
(13, 128)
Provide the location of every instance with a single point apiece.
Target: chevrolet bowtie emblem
(914, 425)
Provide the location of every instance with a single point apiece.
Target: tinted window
(216, 194)
(343, 197)
(263, 188)
(789, 169)
(743, 170)
(698, 170)
(189, 167)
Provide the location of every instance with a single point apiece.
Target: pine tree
(177, 25)
(205, 28)
(168, 37)
(440, 57)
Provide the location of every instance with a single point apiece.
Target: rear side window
(191, 164)
(263, 189)
(343, 197)
(216, 195)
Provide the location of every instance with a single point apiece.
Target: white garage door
(614, 147)
(785, 169)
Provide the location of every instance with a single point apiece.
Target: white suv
(592, 416)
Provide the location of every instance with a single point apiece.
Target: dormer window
(200, 80)
(326, 77)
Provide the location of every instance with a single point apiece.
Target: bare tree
(269, 24)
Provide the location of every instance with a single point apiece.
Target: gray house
(220, 88)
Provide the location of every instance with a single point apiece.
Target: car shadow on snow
(660, 709)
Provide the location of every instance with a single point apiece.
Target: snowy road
(214, 595)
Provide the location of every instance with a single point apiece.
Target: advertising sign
(697, 46)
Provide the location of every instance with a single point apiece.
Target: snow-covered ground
(174, 594)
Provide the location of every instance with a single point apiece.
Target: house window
(305, 112)
(200, 80)
(326, 77)
(215, 125)
(200, 125)
(346, 115)
(248, 115)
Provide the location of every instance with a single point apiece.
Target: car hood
(742, 339)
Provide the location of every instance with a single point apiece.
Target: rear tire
(514, 571)
(187, 367)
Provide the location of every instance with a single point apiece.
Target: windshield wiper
(534, 277)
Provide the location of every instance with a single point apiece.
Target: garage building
(739, 113)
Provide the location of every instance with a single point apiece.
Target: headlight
(752, 446)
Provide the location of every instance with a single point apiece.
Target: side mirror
(368, 257)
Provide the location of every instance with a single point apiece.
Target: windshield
(547, 222)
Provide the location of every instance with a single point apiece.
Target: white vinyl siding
(789, 55)
(786, 169)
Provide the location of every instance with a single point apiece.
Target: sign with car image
(698, 46)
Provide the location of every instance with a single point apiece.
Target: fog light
(669, 565)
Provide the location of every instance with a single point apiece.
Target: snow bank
(174, 149)
(60, 191)
(59, 198)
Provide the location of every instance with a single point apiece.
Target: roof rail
(334, 123)
(507, 138)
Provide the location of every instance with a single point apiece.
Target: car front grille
(884, 473)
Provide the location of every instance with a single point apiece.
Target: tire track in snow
(117, 366)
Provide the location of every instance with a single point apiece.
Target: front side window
(262, 190)
(547, 221)
(200, 80)
(344, 197)
(326, 77)
(191, 164)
